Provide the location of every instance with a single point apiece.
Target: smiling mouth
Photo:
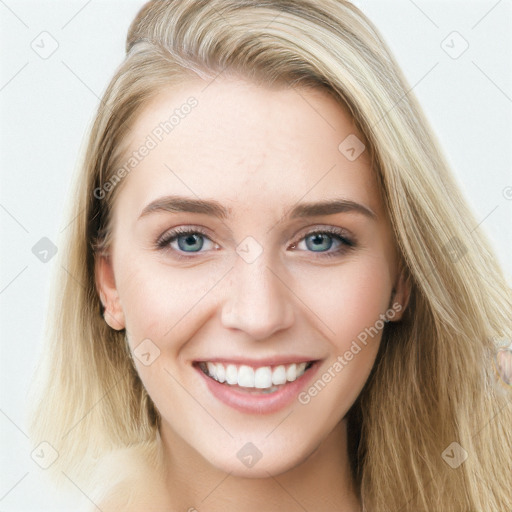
(254, 380)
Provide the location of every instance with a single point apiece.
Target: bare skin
(258, 152)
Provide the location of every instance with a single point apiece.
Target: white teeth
(263, 377)
(221, 372)
(246, 377)
(212, 369)
(291, 373)
(231, 374)
(279, 375)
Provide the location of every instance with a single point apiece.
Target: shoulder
(134, 498)
(131, 479)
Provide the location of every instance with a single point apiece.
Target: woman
(205, 355)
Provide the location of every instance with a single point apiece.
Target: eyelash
(346, 243)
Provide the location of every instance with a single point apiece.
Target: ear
(401, 294)
(106, 286)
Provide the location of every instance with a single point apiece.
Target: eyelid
(181, 230)
(325, 228)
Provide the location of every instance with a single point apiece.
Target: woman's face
(262, 283)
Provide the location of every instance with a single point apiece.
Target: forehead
(248, 145)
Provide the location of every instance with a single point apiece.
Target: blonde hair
(434, 382)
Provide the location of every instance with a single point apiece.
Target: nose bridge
(257, 302)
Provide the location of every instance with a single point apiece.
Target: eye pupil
(318, 240)
(190, 239)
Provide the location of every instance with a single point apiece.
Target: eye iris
(319, 238)
(190, 238)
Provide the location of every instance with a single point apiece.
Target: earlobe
(106, 287)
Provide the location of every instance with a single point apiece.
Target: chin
(249, 461)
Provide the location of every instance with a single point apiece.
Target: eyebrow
(176, 204)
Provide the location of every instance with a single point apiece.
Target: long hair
(433, 397)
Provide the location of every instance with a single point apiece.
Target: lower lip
(259, 404)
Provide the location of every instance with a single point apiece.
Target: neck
(322, 482)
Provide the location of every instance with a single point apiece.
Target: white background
(48, 104)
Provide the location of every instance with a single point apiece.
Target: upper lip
(268, 361)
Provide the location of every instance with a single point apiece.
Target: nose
(258, 301)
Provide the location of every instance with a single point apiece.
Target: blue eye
(192, 240)
(319, 240)
(324, 239)
(189, 240)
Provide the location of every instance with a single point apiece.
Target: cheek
(160, 301)
(163, 307)
(348, 298)
(351, 306)
(164, 302)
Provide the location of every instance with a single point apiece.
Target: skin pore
(259, 153)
